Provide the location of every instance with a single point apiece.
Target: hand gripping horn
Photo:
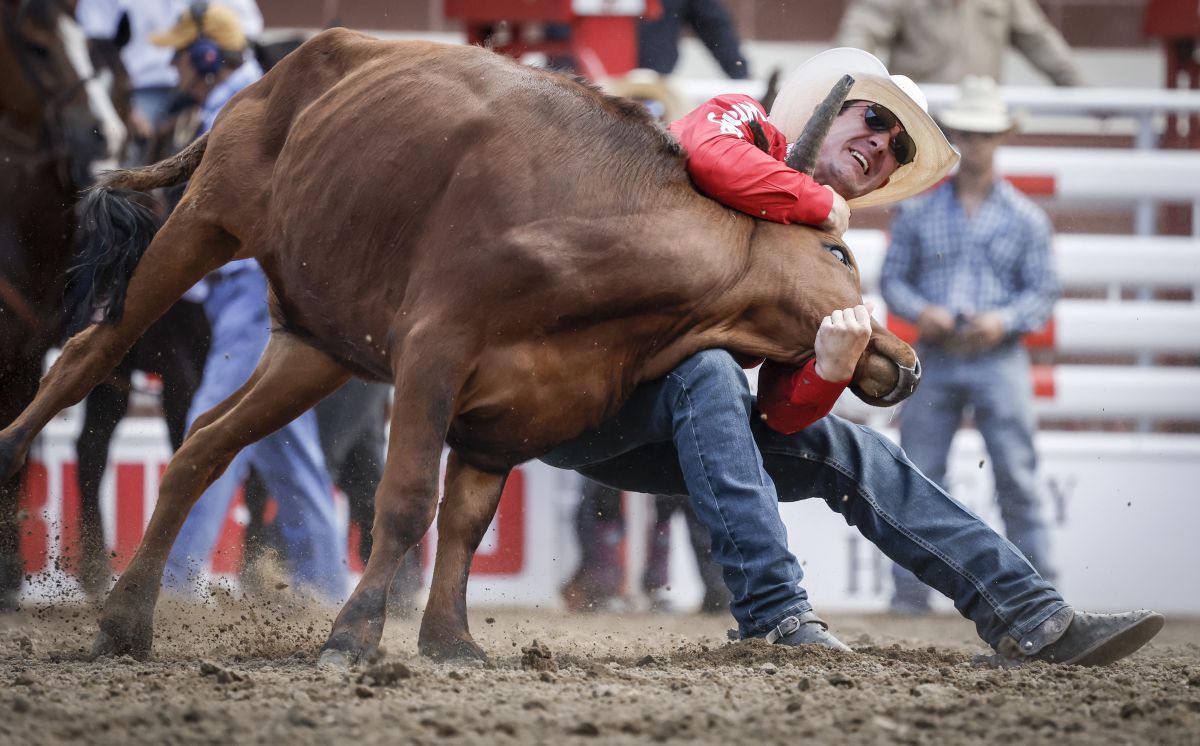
(803, 157)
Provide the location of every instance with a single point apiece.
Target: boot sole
(1120, 644)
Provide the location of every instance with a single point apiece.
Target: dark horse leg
(472, 497)
(18, 387)
(103, 410)
(175, 347)
(259, 538)
(187, 247)
(290, 378)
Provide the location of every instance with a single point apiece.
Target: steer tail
(116, 224)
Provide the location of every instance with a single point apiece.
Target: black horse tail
(116, 221)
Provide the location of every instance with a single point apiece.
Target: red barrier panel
(504, 553)
(35, 534)
(508, 556)
(1034, 186)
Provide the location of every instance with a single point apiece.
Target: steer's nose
(907, 379)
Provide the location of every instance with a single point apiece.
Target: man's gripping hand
(840, 342)
(838, 219)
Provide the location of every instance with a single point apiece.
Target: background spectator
(658, 39)
(970, 265)
(150, 70)
(210, 55)
(934, 41)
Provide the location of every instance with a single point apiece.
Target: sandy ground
(235, 673)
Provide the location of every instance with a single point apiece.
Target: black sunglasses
(881, 119)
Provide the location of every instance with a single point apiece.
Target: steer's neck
(744, 290)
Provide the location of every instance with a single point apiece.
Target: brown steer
(514, 250)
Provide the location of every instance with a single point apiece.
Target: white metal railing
(1137, 103)
(1110, 175)
(1109, 392)
(1141, 328)
(1089, 327)
(1084, 261)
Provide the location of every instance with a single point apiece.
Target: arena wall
(1123, 507)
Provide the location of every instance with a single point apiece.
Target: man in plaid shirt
(970, 265)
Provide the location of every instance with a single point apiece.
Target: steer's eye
(840, 254)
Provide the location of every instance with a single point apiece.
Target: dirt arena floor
(235, 673)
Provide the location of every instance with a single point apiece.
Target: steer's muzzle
(906, 384)
(888, 373)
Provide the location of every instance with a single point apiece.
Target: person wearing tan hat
(970, 266)
(210, 57)
(700, 432)
(209, 45)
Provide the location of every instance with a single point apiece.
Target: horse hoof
(337, 660)
(452, 650)
(9, 602)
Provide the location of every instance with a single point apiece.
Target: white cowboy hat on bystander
(978, 108)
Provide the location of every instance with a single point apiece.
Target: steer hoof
(116, 640)
(451, 650)
(341, 651)
(338, 660)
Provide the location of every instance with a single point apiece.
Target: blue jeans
(695, 432)
(289, 460)
(996, 386)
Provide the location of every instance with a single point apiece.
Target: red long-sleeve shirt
(725, 164)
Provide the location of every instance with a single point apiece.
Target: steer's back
(415, 182)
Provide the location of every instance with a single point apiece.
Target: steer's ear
(760, 137)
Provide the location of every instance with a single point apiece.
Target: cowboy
(970, 266)
(699, 431)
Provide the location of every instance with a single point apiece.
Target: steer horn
(803, 157)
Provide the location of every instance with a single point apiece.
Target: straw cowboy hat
(221, 26)
(647, 85)
(979, 108)
(808, 85)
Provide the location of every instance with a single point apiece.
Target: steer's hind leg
(470, 503)
(405, 501)
(290, 378)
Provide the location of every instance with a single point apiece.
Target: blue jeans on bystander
(289, 460)
(996, 386)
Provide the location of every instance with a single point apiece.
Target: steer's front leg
(406, 499)
(472, 497)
